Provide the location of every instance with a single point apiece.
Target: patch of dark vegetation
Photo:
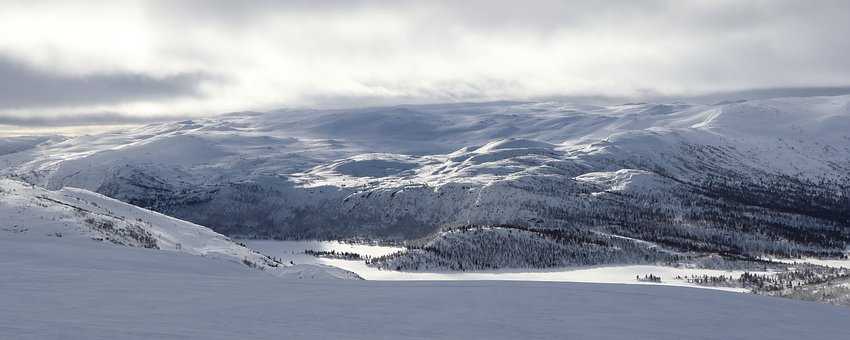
(649, 278)
(766, 215)
(803, 282)
(800, 277)
(333, 254)
(251, 264)
(470, 248)
(130, 234)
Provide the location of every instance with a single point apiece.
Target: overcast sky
(76, 62)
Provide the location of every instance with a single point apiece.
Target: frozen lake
(294, 251)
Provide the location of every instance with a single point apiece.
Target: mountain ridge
(765, 177)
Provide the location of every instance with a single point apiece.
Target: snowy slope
(406, 171)
(32, 215)
(62, 290)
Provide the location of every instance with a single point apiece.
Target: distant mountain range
(744, 178)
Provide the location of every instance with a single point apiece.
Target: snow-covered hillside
(765, 177)
(78, 218)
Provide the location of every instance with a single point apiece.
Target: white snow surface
(625, 180)
(51, 289)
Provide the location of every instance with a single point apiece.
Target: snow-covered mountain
(750, 178)
(35, 216)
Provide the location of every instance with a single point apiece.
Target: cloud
(156, 57)
(23, 86)
(466, 50)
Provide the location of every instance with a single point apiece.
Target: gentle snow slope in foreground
(66, 290)
(74, 216)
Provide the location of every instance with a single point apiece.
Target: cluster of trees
(128, 234)
(649, 278)
(333, 254)
(791, 279)
(835, 291)
(711, 280)
(471, 248)
(774, 282)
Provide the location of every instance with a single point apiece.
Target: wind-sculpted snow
(748, 178)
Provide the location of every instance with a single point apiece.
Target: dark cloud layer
(116, 118)
(24, 86)
(766, 93)
(82, 119)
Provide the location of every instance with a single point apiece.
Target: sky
(77, 63)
